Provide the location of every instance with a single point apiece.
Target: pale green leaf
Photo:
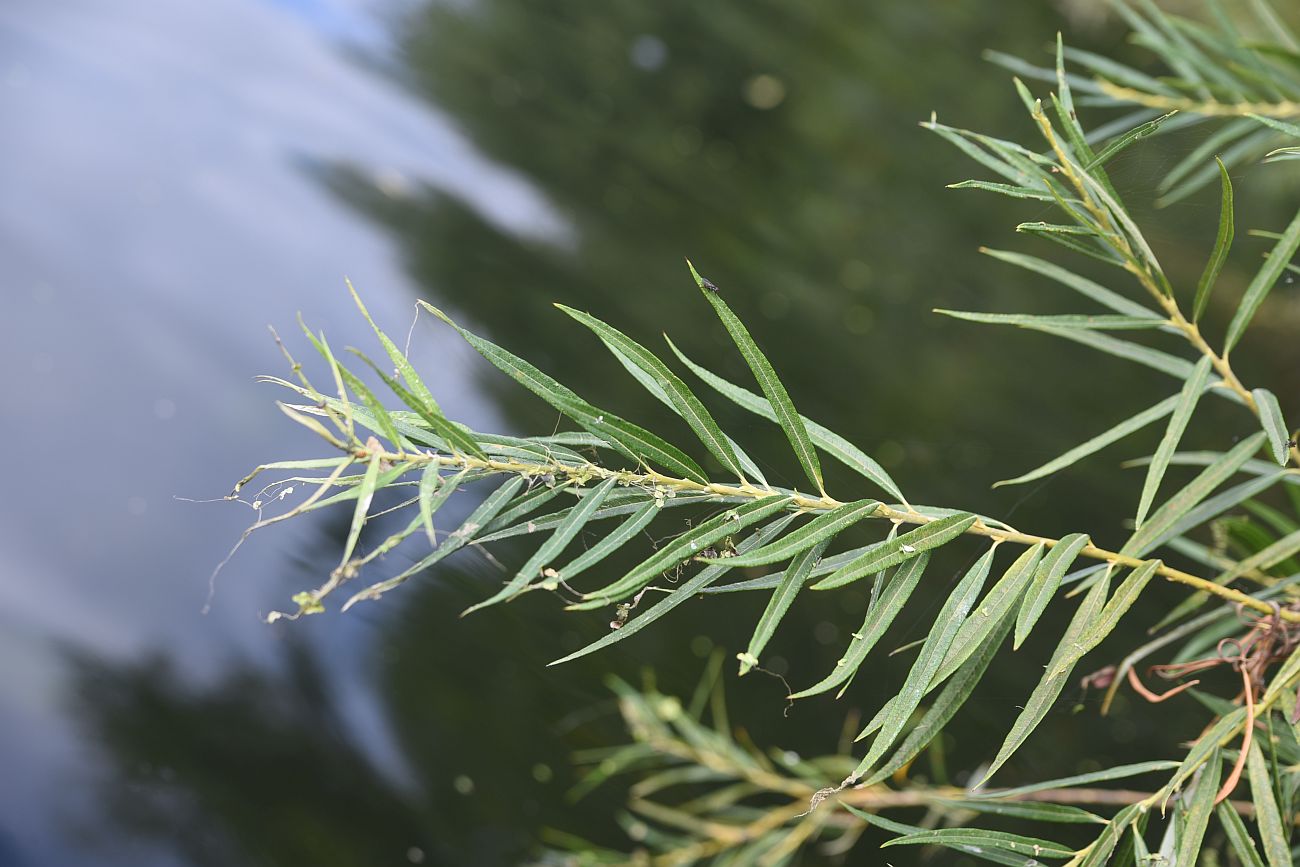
(1119, 143)
(1270, 416)
(453, 434)
(365, 495)
(1235, 830)
(1182, 414)
(399, 359)
(1119, 772)
(1170, 516)
(947, 622)
(948, 701)
(1001, 598)
(1067, 321)
(1118, 605)
(1144, 355)
(1198, 812)
(1029, 810)
(1082, 285)
(1097, 443)
(1047, 579)
(1071, 649)
(1281, 126)
(974, 841)
(434, 491)
(1277, 848)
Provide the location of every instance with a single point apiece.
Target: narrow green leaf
(365, 495)
(1067, 321)
(1280, 125)
(822, 528)
(1015, 192)
(1263, 281)
(684, 591)
(878, 620)
(992, 609)
(1097, 443)
(1182, 414)
(1270, 416)
(434, 491)
(1198, 812)
(1071, 649)
(1145, 355)
(611, 542)
(1100, 850)
(453, 434)
(381, 416)
(400, 362)
(1119, 772)
(1277, 848)
(946, 624)
(975, 840)
(1121, 142)
(827, 440)
(1222, 244)
(1171, 516)
(899, 550)
(621, 502)
(949, 701)
(1235, 830)
(462, 536)
(791, 422)
(1082, 285)
(633, 441)
(1029, 810)
(553, 546)
(1118, 605)
(1046, 581)
(782, 598)
(681, 398)
(683, 548)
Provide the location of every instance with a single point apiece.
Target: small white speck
(908, 549)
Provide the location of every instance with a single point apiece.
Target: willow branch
(1280, 110)
(654, 481)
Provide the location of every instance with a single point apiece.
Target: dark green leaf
(685, 546)
(878, 619)
(1182, 414)
(684, 591)
(891, 553)
(827, 440)
(782, 598)
(791, 422)
(822, 528)
(1262, 282)
(1222, 244)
